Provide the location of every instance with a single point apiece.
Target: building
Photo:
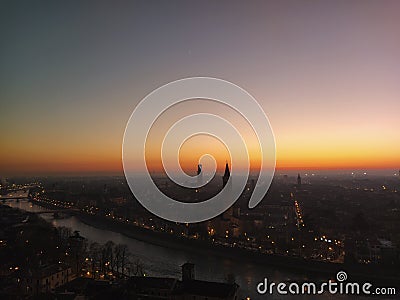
(228, 214)
(199, 176)
(76, 246)
(44, 280)
(382, 251)
(199, 167)
(190, 288)
(187, 288)
(226, 176)
(152, 287)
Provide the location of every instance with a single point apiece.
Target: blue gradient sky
(326, 73)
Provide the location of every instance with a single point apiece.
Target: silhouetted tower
(226, 176)
(227, 215)
(199, 176)
(199, 169)
(188, 272)
(298, 180)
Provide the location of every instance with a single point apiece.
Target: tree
(109, 255)
(122, 254)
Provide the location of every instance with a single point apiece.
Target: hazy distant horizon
(278, 172)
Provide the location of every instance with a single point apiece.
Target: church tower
(199, 175)
(226, 176)
(227, 215)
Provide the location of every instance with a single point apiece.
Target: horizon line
(99, 173)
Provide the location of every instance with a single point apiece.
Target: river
(165, 262)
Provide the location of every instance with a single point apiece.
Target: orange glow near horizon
(340, 149)
(286, 160)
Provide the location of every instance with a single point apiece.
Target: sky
(326, 74)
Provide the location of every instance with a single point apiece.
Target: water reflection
(162, 261)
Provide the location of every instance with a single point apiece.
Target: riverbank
(376, 274)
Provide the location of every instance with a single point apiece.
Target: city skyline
(326, 74)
